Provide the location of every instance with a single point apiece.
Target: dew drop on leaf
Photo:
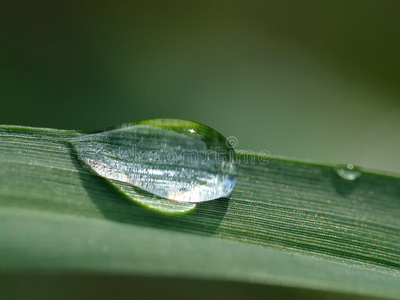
(348, 172)
(171, 159)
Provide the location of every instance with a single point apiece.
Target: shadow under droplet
(204, 219)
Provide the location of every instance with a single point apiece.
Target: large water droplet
(169, 158)
(348, 172)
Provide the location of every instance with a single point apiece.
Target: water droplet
(348, 172)
(169, 158)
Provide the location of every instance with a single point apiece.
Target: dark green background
(307, 79)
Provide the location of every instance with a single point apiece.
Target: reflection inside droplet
(151, 200)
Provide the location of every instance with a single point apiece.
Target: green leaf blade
(286, 223)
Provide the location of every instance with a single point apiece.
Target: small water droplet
(169, 158)
(348, 172)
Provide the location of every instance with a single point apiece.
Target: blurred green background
(307, 79)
